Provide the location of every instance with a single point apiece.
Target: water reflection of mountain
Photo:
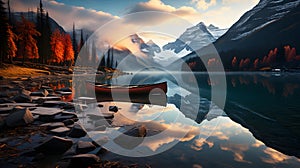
(269, 107)
(265, 103)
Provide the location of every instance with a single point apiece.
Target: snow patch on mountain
(192, 39)
(167, 57)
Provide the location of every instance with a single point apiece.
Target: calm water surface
(258, 127)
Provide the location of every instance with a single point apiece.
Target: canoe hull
(146, 94)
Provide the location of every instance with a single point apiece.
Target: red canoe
(148, 94)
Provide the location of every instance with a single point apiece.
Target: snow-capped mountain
(216, 31)
(270, 24)
(263, 14)
(195, 38)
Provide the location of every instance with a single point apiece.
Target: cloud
(65, 15)
(204, 4)
(237, 149)
(158, 6)
(274, 156)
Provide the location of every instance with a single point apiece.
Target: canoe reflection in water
(148, 94)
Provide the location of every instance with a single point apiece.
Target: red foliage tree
(28, 45)
(12, 48)
(57, 47)
(234, 62)
(68, 49)
(289, 53)
(256, 63)
(241, 65)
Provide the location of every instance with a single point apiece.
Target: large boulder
(55, 145)
(22, 98)
(85, 147)
(83, 160)
(77, 131)
(19, 117)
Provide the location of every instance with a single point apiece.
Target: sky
(126, 16)
(221, 13)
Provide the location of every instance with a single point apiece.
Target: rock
(46, 111)
(77, 131)
(43, 93)
(19, 117)
(68, 106)
(85, 147)
(60, 131)
(6, 100)
(53, 125)
(45, 87)
(21, 104)
(68, 122)
(22, 98)
(2, 123)
(54, 145)
(49, 98)
(64, 93)
(46, 114)
(25, 92)
(64, 90)
(83, 160)
(113, 108)
(53, 103)
(4, 110)
(64, 116)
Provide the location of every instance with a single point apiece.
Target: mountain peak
(212, 27)
(202, 26)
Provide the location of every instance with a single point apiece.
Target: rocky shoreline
(40, 128)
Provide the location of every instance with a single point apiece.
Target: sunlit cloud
(258, 144)
(65, 15)
(185, 12)
(274, 156)
(200, 142)
(204, 4)
(237, 149)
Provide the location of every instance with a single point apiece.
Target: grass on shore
(9, 71)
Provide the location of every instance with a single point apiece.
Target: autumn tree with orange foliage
(234, 62)
(28, 46)
(289, 53)
(256, 64)
(12, 48)
(68, 50)
(244, 63)
(57, 47)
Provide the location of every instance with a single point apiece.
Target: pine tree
(68, 49)
(28, 43)
(47, 35)
(12, 48)
(74, 43)
(3, 31)
(9, 13)
(57, 47)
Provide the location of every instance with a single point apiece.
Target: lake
(211, 120)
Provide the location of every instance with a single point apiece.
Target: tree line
(23, 40)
